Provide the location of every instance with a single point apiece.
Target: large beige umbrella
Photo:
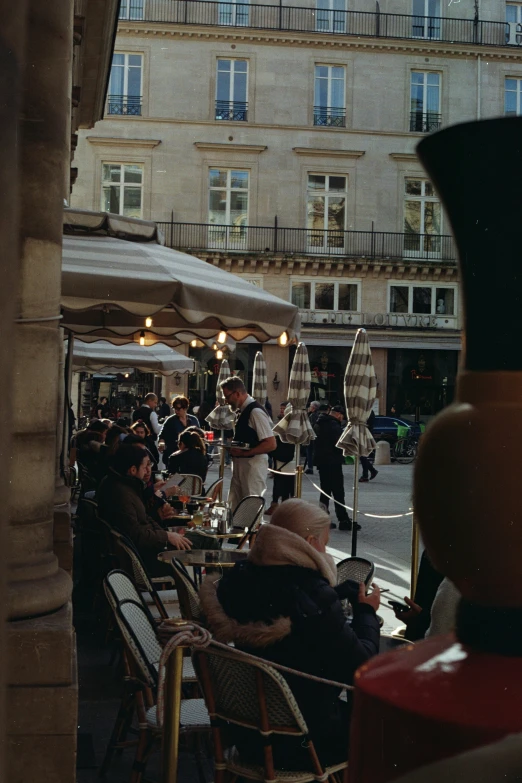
(360, 390)
(102, 355)
(295, 425)
(112, 286)
(259, 379)
(222, 417)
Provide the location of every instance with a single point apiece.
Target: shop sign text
(369, 319)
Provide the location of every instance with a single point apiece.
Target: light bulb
(142, 338)
(126, 374)
(283, 339)
(222, 337)
(193, 343)
(215, 347)
(219, 354)
(148, 322)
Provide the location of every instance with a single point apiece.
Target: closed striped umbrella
(295, 426)
(259, 383)
(222, 417)
(360, 390)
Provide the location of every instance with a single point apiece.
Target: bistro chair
(355, 568)
(87, 481)
(189, 603)
(144, 650)
(191, 484)
(247, 516)
(214, 489)
(246, 691)
(131, 562)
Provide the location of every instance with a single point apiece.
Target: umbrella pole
(355, 503)
(222, 463)
(298, 471)
(414, 555)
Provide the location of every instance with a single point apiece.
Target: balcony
(129, 105)
(231, 111)
(424, 122)
(372, 24)
(372, 245)
(330, 117)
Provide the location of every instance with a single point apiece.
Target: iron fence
(330, 116)
(324, 21)
(124, 104)
(373, 245)
(424, 122)
(231, 111)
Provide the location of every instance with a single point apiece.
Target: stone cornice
(217, 147)
(118, 141)
(407, 46)
(405, 157)
(312, 266)
(328, 153)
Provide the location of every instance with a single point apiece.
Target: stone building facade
(278, 142)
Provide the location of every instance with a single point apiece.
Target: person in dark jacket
(140, 429)
(329, 461)
(367, 466)
(175, 425)
(282, 604)
(283, 457)
(164, 408)
(191, 457)
(120, 503)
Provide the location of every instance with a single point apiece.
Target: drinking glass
(184, 498)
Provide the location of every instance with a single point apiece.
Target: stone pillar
(12, 42)
(42, 697)
(277, 360)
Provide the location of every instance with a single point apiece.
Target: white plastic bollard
(382, 453)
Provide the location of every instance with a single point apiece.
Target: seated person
(191, 457)
(281, 605)
(120, 502)
(418, 616)
(140, 429)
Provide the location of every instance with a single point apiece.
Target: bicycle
(405, 449)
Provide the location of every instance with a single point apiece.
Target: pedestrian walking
(369, 471)
(249, 466)
(313, 413)
(283, 456)
(329, 461)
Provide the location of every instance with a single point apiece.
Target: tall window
(329, 96)
(122, 189)
(131, 9)
(125, 84)
(228, 207)
(426, 19)
(422, 300)
(424, 101)
(326, 213)
(514, 19)
(231, 90)
(422, 219)
(512, 96)
(317, 295)
(234, 13)
(331, 16)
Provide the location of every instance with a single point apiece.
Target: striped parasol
(360, 390)
(222, 417)
(259, 383)
(295, 426)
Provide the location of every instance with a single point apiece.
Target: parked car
(385, 428)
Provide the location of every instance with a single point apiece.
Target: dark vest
(143, 414)
(243, 432)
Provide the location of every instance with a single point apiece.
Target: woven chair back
(87, 482)
(140, 638)
(356, 568)
(213, 490)
(247, 693)
(191, 484)
(189, 603)
(248, 514)
(138, 570)
(119, 587)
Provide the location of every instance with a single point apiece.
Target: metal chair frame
(190, 480)
(255, 521)
(357, 568)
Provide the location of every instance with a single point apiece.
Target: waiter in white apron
(253, 426)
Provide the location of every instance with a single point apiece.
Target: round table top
(225, 558)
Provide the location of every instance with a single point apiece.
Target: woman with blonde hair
(282, 604)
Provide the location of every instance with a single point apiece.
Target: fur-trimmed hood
(270, 585)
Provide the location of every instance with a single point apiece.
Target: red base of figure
(427, 702)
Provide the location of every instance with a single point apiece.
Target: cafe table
(224, 558)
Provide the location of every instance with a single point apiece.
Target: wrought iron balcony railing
(424, 122)
(322, 21)
(373, 245)
(330, 116)
(124, 104)
(231, 110)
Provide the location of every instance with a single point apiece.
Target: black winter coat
(328, 431)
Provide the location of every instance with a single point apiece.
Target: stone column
(42, 697)
(277, 361)
(12, 42)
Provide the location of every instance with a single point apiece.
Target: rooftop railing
(373, 245)
(310, 20)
